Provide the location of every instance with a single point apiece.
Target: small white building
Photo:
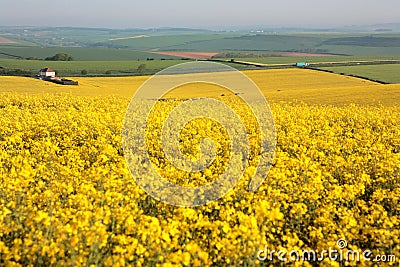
(47, 73)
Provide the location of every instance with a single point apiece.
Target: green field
(74, 68)
(335, 44)
(79, 53)
(174, 42)
(316, 59)
(389, 73)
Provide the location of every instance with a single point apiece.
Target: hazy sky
(201, 13)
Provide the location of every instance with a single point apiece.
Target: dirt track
(301, 54)
(193, 55)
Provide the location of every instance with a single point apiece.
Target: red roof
(47, 70)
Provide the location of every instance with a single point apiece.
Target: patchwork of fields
(67, 197)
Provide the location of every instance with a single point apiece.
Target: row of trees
(141, 69)
(19, 72)
(60, 57)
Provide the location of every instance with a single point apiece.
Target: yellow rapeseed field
(67, 197)
(290, 85)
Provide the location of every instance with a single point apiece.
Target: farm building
(47, 73)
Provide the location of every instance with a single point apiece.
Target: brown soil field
(193, 55)
(7, 41)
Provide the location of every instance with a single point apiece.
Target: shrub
(60, 57)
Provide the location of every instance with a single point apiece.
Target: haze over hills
(356, 28)
(185, 38)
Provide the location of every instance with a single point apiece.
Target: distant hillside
(117, 44)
